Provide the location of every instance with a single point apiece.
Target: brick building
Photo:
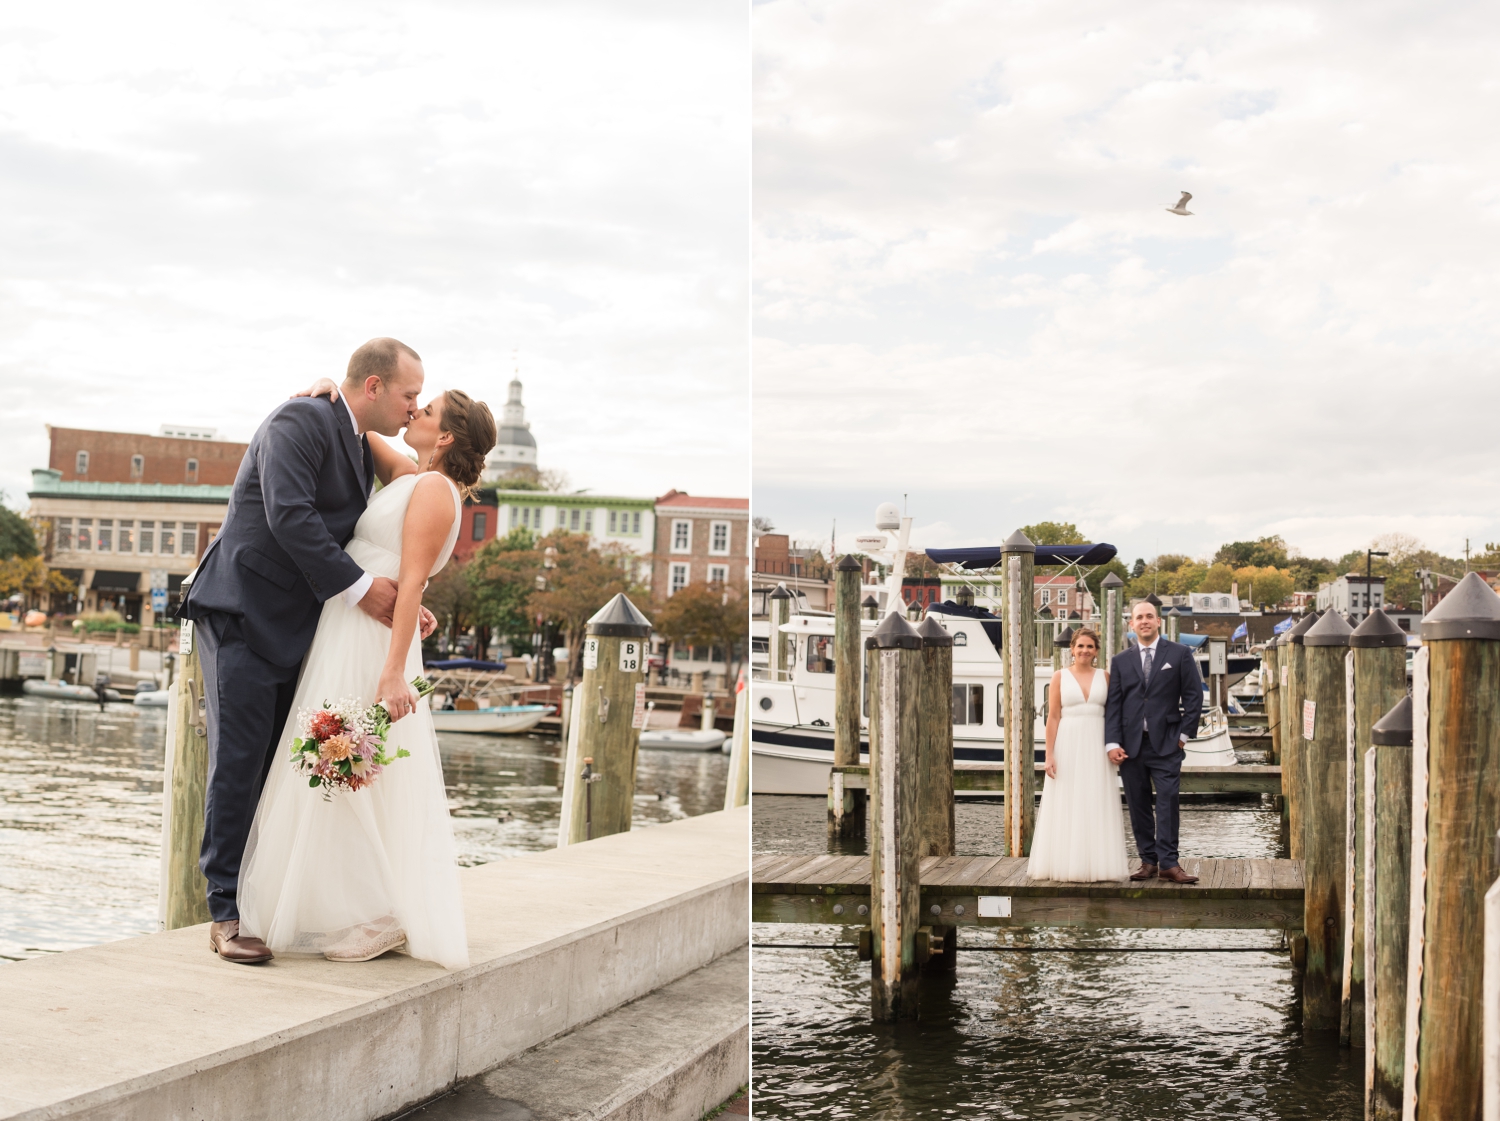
(700, 540)
(178, 456)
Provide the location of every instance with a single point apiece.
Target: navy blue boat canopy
(465, 663)
(989, 555)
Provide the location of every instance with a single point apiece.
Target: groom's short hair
(378, 358)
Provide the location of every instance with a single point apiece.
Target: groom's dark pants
(248, 702)
(1153, 819)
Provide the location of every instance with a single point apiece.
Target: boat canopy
(466, 663)
(989, 556)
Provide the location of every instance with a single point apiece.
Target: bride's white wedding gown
(1080, 831)
(316, 873)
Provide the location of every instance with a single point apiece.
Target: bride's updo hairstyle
(1084, 632)
(472, 426)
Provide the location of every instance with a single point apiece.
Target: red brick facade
(111, 458)
(699, 538)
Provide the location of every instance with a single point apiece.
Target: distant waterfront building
(178, 455)
(607, 519)
(515, 446)
(1213, 603)
(699, 540)
(1353, 595)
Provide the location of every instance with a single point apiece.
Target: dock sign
(638, 717)
(630, 657)
(591, 653)
(1309, 714)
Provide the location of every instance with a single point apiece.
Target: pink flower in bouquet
(365, 767)
(336, 747)
(368, 748)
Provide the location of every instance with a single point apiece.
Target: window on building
(137, 466)
(968, 704)
(85, 535)
(480, 520)
(575, 520)
(81, 464)
(635, 523)
(188, 544)
(588, 521)
(168, 542)
(148, 537)
(614, 519)
(718, 539)
(105, 542)
(125, 541)
(1062, 597)
(820, 653)
(192, 470)
(718, 574)
(64, 534)
(678, 579)
(1046, 596)
(682, 536)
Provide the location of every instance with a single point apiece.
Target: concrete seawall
(156, 1027)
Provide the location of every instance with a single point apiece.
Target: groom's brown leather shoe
(1177, 876)
(1144, 872)
(226, 940)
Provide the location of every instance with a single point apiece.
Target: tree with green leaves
(17, 538)
(502, 576)
(707, 615)
(1262, 552)
(1054, 533)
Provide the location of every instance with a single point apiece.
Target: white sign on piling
(591, 653)
(638, 717)
(1309, 718)
(630, 657)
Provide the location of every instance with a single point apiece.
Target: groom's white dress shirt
(1147, 648)
(355, 591)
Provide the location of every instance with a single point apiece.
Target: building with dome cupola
(515, 446)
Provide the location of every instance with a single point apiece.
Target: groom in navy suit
(1155, 699)
(257, 594)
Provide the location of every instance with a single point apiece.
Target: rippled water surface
(1058, 1024)
(80, 813)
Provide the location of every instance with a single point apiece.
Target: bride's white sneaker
(367, 942)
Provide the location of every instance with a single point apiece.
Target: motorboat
(62, 691)
(683, 739)
(152, 698)
(496, 720)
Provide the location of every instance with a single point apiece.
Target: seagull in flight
(1181, 207)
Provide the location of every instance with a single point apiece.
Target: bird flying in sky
(1181, 207)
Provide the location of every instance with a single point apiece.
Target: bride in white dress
(362, 873)
(1080, 830)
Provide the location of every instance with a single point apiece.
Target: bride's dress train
(347, 876)
(1080, 830)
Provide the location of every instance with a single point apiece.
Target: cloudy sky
(203, 207)
(967, 289)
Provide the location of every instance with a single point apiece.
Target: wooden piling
(1045, 630)
(1018, 686)
(846, 808)
(614, 662)
(781, 614)
(1270, 691)
(1491, 1042)
(737, 788)
(1293, 767)
(895, 863)
(1325, 645)
(1375, 680)
(1388, 916)
(1453, 859)
(937, 834)
(1114, 625)
(186, 891)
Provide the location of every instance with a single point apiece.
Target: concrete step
(670, 1056)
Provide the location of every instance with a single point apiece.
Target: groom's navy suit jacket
(279, 554)
(1169, 704)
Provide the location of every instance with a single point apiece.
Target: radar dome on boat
(887, 516)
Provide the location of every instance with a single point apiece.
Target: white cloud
(966, 283)
(203, 208)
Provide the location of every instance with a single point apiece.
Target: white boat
(154, 698)
(498, 720)
(683, 739)
(62, 691)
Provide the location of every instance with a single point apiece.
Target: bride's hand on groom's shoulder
(323, 387)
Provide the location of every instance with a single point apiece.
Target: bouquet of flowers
(342, 746)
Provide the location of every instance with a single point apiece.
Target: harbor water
(80, 813)
(1062, 1024)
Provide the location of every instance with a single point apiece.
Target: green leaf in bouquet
(422, 686)
(402, 753)
(315, 782)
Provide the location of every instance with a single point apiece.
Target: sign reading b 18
(630, 657)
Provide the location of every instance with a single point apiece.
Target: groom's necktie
(1146, 656)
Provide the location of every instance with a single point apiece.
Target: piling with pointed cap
(1387, 813)
(1293, 770)
(1062, 647)
(1325, 744)
(1453, 859)
(614, 663)
(1114, 620)
(1018, 686)
(780, 602)
(936, 831)
(1046, 631)
(185, 891)
(1270, 691)
(846, 808)
(1174, 624)
(1375, 680)
(871, 606)
(895, 659)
